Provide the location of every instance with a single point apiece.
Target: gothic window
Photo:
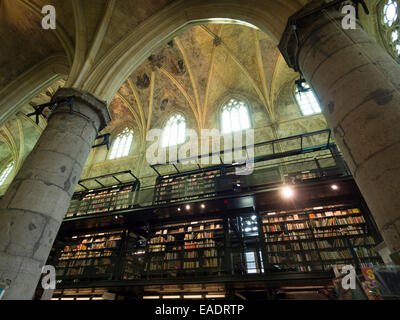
(174, 131)
(307, 101)
(390, 25)
(235, 116)
(122, 144)
(6, 172)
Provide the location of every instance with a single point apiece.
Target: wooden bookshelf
(318, 239)
(188, 248)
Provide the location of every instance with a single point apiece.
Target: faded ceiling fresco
(195, 71)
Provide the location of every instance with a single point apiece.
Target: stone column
(36, 201)
(357, 83)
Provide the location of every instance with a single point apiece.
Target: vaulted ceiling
(195, 71)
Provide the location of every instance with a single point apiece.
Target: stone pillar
(36, 201)
(357, 83)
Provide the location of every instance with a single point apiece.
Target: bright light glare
(287, 192)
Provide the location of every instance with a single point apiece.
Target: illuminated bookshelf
(187, 248)
(318, 239)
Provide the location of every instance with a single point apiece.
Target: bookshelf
(190, 186)
(101, 201)
(297, 241)
(89, 256)
(188, 248)
(317, 239)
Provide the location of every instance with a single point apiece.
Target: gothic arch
(120, 61)
(30, 83)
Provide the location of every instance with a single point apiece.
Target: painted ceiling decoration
(195, 70)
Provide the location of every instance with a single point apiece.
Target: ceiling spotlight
(203, 206)
(287, 192)
(187, 207)
(334, 187)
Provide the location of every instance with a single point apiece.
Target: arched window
(390, 25)
(174, 131)
(235, 116)
(6, 172)
(122, 144)
(307, 101)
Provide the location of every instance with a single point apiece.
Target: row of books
(199, 235)
(334, 243)
(100, 270)
(162, 239)
(114, 237)
(207, 243)
(298, 226)
(348, 231)
(338, 221)
(365, 252)
(104, 201)
(83, 263)
(289, 236)
(191, 228)
(176, 265)
(276, 217)
(364, 241)
(186, 187)
(336, 255)
(92, 246)
(328, 222)
(192, 178)
(283, 247)
(85, 255)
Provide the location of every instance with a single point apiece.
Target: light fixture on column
(334, 187)
(179, 209)
(287, 192)
(202, 205)
(187, 207)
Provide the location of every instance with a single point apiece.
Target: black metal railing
(307, 157)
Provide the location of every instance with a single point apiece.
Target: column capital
(88, 99)
(304, 22)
